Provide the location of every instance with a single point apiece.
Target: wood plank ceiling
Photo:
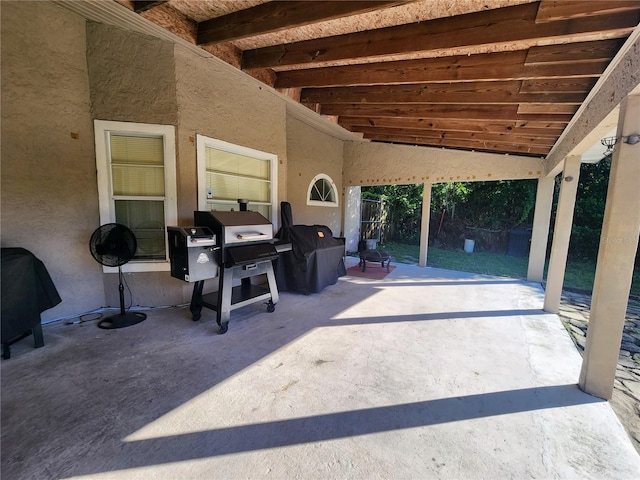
(500, 76)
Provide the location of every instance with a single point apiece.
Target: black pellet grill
(244, 249)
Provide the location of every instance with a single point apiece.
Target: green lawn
(578, 275)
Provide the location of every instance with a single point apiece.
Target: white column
(616, 256)
(351, 223)
(561, 234)
(540, 234)
(424, 230)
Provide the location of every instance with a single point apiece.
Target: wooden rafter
(491, 27)
(499, 92)
(463, 144)
(459, 111)
(553, 10)
(460, 68)
(545, 129)
(496, 79)
(277, 16)
(520, 139)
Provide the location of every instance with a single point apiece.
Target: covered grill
(246, 250)
(315, 260)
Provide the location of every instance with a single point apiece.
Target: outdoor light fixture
(609, 142)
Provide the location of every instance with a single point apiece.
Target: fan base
(122, 320)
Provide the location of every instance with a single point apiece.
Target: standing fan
(113, 245)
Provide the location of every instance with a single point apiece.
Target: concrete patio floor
(427, 373)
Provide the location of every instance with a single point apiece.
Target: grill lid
(240, 227)
(236, 219)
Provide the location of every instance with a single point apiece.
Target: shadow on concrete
(113, 383)
(337, 425)
(424, 317)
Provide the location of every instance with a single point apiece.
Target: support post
(616, 256)
(351, 218)
(540, 233)
(562, 234)
(424, 230)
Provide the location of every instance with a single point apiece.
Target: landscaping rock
(630, 347)
(577, 331)
(633, 389)
(574, 315)
(582, 324)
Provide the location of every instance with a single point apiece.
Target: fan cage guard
(113, 245)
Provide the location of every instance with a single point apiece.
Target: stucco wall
(131, 76)
(309, 153)
(132, 79)
(61, 72)
(49, 191)
(386, 164)
(216, 101)
(222, 103)
(135, 77)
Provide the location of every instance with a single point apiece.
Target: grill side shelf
(240, 296)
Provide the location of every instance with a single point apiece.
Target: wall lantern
(611, 142)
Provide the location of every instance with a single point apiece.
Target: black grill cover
(27, 290)
(316, 259)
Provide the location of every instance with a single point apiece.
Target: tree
(404, 206)
(455, 206)
(495, 207)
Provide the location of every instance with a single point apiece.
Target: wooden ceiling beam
(554, 108)
(501, 26)
(546, 129)
(553, 10)
(461, 68)
(279, 15)
(461, 144)
(574, 52)
(500, 92)
(512, 139)
(555, 85)
(457, 111)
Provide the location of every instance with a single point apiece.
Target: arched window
(322, 191)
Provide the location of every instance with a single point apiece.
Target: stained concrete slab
(425, 374)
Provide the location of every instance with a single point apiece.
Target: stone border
(574, 314)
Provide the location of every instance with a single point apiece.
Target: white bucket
(371, 244)
(468, 245)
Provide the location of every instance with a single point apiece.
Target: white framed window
(136, 167)
(322, 191)
(227, 172)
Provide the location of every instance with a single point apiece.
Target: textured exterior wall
(383, 164)
(222, 103)
(49, 190)
(131, 76)
(132, 79)
(309, 153)
(59, 74)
